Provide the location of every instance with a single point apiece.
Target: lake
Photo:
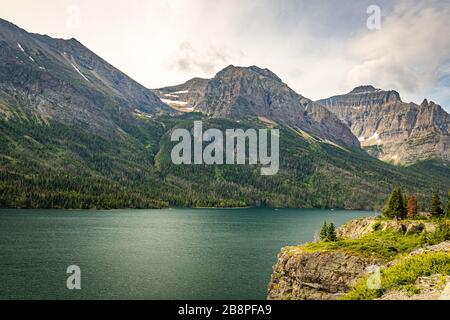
(150, 254)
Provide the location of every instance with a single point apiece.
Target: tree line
(401, 207)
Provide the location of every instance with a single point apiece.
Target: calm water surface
(150, 254)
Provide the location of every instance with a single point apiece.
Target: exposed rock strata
(315, 275)
(240, 93)
(301, 274)
(391, 129)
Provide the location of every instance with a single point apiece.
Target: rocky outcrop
(183, 97)
(434, 287)
(391, 129)
(441, 247)
(240, 93)
(358, 228)
(303, 275)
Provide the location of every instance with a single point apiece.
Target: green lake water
(150, 254)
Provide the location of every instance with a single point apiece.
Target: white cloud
(407, 54)
(319, 48)
(203, 62)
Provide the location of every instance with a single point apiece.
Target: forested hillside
(57, 166)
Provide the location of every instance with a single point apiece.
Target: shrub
(403, 275)
(384, 245)
(441, 234)
(376, 226)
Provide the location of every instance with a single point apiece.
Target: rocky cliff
(391, 129)
(46, 79)
(303, 275)
(319, 271)
(247, 93)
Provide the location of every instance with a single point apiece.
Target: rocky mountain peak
(391, 129)
(364, 89)
(426, 103)
(6, 24)
(372, 95)
(252, 71)
(250, 93)
(46, 71)
(362, 96)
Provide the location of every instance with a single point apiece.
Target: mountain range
(241, 93)
(391, 129)
(75, 132)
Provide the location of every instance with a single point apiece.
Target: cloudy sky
(319, 48)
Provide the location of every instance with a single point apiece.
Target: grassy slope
(403, 275)
(388, 246)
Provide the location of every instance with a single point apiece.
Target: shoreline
(193, 208)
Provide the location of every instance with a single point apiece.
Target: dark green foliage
(324, 232)
(395, 207)
(59, 166)
(332, 233)
(328, 232)
(436, 207)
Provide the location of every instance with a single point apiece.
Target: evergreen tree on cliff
(324, 232)
(436, 207)
(332, 233)
(328, 232)
(395, 207)
(412, 207)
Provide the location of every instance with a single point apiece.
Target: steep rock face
(391, 129)
(241, 93)
(183, 97)
(53, 79)
(306, 275)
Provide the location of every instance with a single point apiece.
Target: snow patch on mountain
(174, 102)
(78, 70)
(20, 47)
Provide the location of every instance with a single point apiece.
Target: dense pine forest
(51, 165)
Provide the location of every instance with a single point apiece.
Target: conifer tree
(332, 233)
(324, 232)
(395, 207)
(436, 207)
(412, 207)
(328, 232)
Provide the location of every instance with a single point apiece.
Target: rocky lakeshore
(342, 269)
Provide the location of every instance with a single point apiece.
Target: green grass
(403, 276)
(378, 244)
